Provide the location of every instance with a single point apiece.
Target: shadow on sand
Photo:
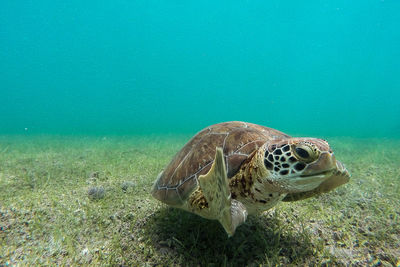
(194, 241)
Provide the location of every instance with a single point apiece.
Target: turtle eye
(301, 152)
(305, 153)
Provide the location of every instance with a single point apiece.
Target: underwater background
(314, 68)
(96, 97)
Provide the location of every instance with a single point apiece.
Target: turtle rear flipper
(214, 185)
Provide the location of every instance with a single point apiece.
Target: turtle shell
(237, 139)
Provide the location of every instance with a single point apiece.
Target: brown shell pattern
(237, 139)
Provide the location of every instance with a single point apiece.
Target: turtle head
(303, 167)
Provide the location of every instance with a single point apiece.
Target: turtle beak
(338, 177)
(331, 179)
(342, 169)
(341, 175)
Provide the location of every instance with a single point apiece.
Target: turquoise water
(315, 68)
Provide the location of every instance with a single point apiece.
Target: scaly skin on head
(289, 169)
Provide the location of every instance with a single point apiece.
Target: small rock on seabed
(96, 192)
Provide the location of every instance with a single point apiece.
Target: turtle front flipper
(215, 187)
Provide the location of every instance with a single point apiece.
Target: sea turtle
(232, 169)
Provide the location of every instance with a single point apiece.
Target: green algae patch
(85, 200)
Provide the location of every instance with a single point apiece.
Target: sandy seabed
(72, 200)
